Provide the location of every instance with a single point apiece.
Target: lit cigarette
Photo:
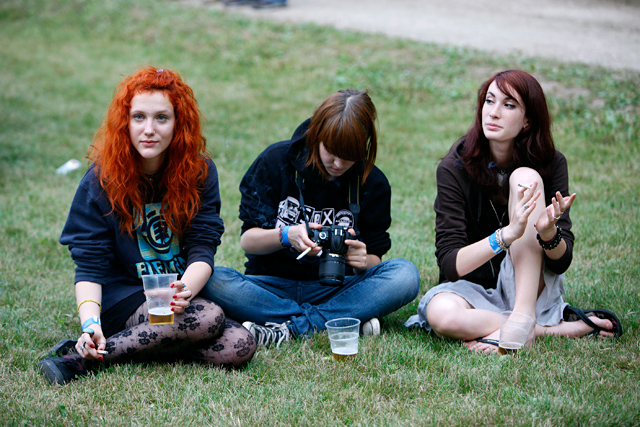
(524, 186)
(306, 251)
(103, 352)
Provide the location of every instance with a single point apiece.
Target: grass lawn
(255, 82)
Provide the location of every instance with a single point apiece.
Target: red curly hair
(119, 166)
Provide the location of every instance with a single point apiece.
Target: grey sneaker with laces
(270, 333)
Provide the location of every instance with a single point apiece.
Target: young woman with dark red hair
(503, 232)
(322, 178)
(149, 204)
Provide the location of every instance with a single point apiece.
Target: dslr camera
(332, 260)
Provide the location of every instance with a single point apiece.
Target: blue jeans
(308, 305)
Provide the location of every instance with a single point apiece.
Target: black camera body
(332, 260)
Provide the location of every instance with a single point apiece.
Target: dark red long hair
(533, 147)
(345, 124)
(118, 164)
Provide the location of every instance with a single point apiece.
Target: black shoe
(62, 348)
(64, 369)
(266, 4)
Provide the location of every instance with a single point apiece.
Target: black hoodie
(271, 199)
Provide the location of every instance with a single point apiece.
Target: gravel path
(594, 32)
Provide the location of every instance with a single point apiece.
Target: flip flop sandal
(573, 314)
(488, 341)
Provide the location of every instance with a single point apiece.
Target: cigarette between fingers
(306, 251)
(103, 352)
(524, 186)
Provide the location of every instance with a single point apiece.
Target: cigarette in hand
(524, 186)
(306, 251)
(102, 352)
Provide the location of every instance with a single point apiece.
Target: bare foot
(483, 347)
(579, 329)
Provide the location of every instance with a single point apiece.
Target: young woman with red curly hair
(503, 231)
(149, 204)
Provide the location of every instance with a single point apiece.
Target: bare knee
(445, 314)
(524, 175)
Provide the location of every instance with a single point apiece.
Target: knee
(443, 316)
(525, 175)
(210, 315)
(245, 344)
(406, 275)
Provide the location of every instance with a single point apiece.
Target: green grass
(255, 82)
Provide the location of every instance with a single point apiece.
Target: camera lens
(332, 267)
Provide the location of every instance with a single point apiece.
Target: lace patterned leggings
(201, 334)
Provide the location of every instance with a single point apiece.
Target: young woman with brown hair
(503, 231)
(149, 204)
(324, 176)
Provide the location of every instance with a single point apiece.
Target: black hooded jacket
(271, 199)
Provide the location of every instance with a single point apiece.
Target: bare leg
(526, 254)
(451, 316)
(575, 329)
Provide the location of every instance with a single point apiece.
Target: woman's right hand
(519, 217)
(299, 238)
(89, 343)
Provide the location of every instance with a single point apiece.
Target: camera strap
(354, 201)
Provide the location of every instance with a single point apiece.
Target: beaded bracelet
(495, 246)
(89, 300)
(553, 243)
(503, 245)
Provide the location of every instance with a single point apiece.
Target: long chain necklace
(496, 212)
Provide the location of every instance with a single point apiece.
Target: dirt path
(595, 32)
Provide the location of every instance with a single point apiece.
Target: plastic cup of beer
(343, 335)
(515, 329)
(159, 294)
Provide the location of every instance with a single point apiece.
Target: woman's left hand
(181, 297)
(357, 253)
(546, 224)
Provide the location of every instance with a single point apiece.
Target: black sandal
(573, 314)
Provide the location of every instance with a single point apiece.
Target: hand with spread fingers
(546, 224)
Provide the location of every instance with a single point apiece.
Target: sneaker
(64, 369)
(270, 333)
(371, 327)
(62, 348)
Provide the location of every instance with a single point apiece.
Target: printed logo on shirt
(158, 245)
(291, 213)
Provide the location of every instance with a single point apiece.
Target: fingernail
(174, 297)
(173, 303)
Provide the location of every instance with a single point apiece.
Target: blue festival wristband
(90, 321)
(495, 247)
(285, 236)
